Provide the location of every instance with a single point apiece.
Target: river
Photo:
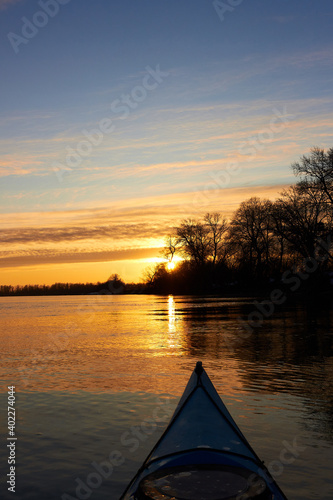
(96, 378)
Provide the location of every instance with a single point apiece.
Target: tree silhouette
(251, 239)
(115, 284)
(217, 226)
(202, 242)
(316, 172)
(302, 219)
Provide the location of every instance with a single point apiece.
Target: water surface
(97, 378)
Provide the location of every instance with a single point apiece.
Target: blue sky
(234, 103)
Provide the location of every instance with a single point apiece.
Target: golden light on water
(171, 314)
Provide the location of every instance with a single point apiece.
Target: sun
(171, 265)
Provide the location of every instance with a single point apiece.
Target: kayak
(202, 454)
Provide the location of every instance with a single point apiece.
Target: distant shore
(288, 290)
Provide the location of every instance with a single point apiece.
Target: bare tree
(171, 247)
(194, 241)
(217, 229)
(251, 240)
(316, 172)
(149, 275)
(302, 218)
(153, 275)
(202, 242)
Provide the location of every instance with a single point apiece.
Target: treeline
(113, 286)
(55, 289)
(287, 241)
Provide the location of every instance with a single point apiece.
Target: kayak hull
(202, 455)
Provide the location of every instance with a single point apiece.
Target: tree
(316, 172)
(157, 278)
(217, 226)
(149, 275)
(115, 284)
(251, 239)
(202, 242)
(193, 241)
(170, 248)
(301, 217)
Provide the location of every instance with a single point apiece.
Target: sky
(120, 119)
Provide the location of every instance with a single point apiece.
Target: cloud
(4, 4)
(126, 220)
(40, 257)
(72, 233)
(18, 168)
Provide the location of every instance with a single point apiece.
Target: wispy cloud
(58, 235)
(41, 257)
(121, 225)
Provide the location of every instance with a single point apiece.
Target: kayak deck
(202, 455)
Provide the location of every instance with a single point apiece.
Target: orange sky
(88, 245)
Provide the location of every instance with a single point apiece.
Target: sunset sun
(171, 265)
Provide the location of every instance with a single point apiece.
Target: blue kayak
(202, 455)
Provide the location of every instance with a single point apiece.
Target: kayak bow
(202, 455)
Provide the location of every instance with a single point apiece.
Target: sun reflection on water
(172, 338)
(172, 314)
